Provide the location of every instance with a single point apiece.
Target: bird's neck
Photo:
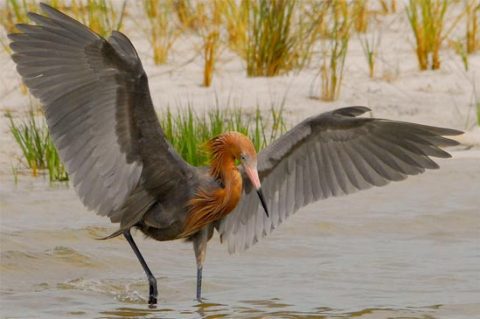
(226, 173)
(208, 206)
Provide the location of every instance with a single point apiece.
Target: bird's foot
(152, 301)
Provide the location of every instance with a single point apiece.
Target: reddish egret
(101, 117)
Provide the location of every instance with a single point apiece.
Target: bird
(101, 117)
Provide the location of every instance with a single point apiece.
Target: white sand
(399, 91)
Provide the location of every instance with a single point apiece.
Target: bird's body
(101, 117)
(211, 193)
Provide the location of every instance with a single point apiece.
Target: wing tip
(352, 111)
(48, 8)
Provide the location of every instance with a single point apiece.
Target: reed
(38, 150)
(161, 31)
(208, 17)
(335, 49)
(210, 48)
(276, 38)
(236, 23)
(185, 12)
(426, 19)
(360, 15)
(388, 6)
(472, 11)
(15, 11)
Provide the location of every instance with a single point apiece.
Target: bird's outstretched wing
(332, 154)
(100, 114)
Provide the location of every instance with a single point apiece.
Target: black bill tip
(262, 200)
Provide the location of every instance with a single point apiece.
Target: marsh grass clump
(472, 12)
(15, 11)
(276, 37)
(102, 16)
(188, 131)
(185, 13)
(360, 15)
(209, 21)
(427, 20)
(11, 13)
(161, 30)
(236, 24)
(38, 150)
(334, 48)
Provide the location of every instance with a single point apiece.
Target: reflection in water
(409, 250)
(126, 312)
(263, 309)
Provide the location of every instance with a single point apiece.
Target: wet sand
(409, 250)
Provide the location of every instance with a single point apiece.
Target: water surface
(408, 250)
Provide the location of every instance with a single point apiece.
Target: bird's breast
(208, 206)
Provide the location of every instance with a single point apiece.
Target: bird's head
(239, 148)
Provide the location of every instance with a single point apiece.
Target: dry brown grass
(102, 16)
(15, 11)
(161, 31)
(426, 19)
(335, 47)
(360, 12)
(278, 38)
(236, 17)
(208, 19)
(388, 6)
(472, 12)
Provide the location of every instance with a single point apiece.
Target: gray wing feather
(332, 154)
(97, 105)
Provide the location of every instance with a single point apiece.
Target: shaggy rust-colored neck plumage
(210, 205)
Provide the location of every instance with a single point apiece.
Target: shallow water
(408, 250)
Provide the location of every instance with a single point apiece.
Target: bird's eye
(243, 157)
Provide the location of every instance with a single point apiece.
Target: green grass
(461, 51)
(370, 50)
(188, 131)
(478, 113)
(37, 147)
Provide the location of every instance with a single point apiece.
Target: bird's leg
(200, 246)
(152, 282)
